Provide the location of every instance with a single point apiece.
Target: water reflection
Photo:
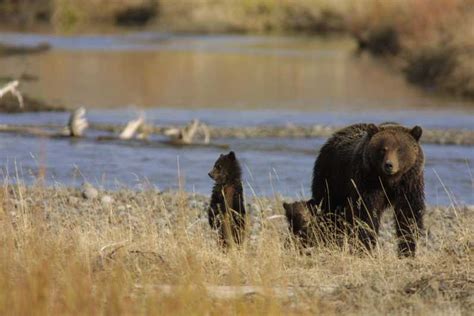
(213, 72)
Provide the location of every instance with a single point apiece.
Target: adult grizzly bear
(362, 170)
(226, 212)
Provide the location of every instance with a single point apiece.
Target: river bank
(430, 42)
(153, 252)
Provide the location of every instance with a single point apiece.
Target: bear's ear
(372, 129)
(288, 209)
(416, 132)
(232, 155)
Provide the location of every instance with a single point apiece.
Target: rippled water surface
(224, 81)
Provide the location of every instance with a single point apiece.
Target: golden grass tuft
(150, 252)
(254, 16)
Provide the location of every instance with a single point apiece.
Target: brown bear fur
(227, 211)
(310, 227)
(300, 221)
(364, 169)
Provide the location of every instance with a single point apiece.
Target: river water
(224, 81)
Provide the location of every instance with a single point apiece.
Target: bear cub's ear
(231, 155)
(372, 129)
(416, 132)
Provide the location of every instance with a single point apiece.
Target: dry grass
(310, 16)
(62, 254)
(69, 14)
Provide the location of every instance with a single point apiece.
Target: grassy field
(129, 252)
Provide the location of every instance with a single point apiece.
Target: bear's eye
(383, 150)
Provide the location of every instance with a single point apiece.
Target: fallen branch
(187, 134)
(226, 292)
(77, 123)
(9, 50)
(131, 129)
(12, 87)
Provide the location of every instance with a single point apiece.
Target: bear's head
(392, 150)
(298, 215)
(226, 169)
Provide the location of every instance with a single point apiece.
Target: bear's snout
(211, 175)
(389, 168)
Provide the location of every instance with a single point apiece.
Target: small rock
(89, 192)
(107, 200)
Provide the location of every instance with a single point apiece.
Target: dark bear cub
(310, 227)
(227, 211)
(300, 221)
(364, 169)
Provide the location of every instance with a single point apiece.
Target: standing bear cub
(227, 211)
(364, 169)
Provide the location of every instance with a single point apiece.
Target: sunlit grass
(151, 252)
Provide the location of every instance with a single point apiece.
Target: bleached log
(226, 292)
(12, 87)
(77, 123)
(187, 134)
(207, 133)
(131, 129)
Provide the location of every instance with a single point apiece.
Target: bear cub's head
(392, 149)
(298, 215)
(226, 169)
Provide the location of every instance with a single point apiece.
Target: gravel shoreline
(88, 200)
(463, 137)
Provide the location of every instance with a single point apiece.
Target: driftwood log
(134, 133)
(10, 50)
(131, 129)
(228, 292)
(189, 133)
(12, 87)
(77, 123)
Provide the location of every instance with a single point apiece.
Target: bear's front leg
(409, 211)
(368, 226)
(367, 217)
